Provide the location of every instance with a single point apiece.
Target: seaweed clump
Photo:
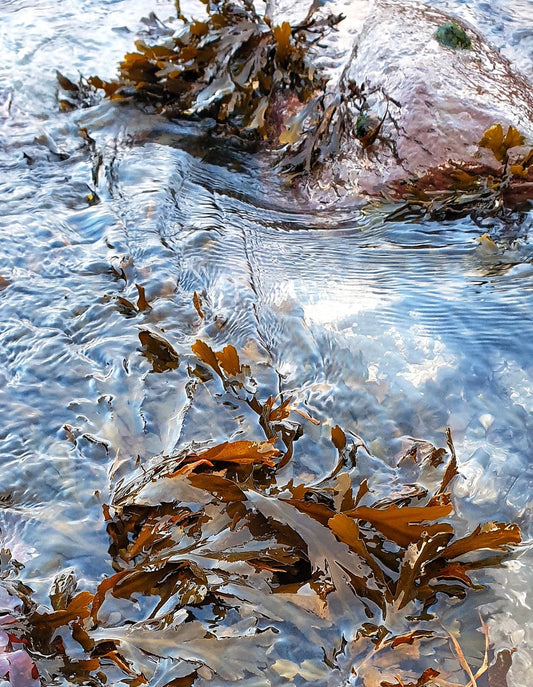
(253, 77)
(230, 67)
(453, 190)
(212, 546)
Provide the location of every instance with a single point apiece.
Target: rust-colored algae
(253, 534)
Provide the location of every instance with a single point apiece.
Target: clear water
(391, 330)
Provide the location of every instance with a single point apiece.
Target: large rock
(440, 100)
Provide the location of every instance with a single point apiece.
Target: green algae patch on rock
(452, 35)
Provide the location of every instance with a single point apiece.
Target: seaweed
(157, 350)
(252, 77)
(477, 191)
(76, 95)
(498, 144)
(201, 537)
(451, 35)
(230, 67)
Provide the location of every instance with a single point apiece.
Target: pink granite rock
(440, 100)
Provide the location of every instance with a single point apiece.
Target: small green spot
(362, 124)
(453, 36)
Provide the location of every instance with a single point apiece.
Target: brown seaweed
(207, 532)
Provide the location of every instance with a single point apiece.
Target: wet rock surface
(435, 101)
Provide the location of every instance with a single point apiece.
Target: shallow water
(391, 330)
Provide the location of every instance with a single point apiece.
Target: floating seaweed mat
(253, 77)
(220, 559)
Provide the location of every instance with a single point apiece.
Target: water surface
(391, 330)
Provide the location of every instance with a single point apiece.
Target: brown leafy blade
(360, 585)
(77, 609)
(65, 83)
(347, 530)
(342, 493)
(120, 662)
(338, 437)
(235, 377)
(80, 670)
(159, 352)
(423, 453)
(317, 511)
(104, 586)
(63, 589)
(521, 169)
(347, 451)
(226, 490)
(126, 307)
(485, 664)
(494, 140)
(198, 305)
(414, 560)
(206, 354)
(410, 637)
(229, 361)
(188, 468)
(138, 530)
(282, 36)
(402, 525)
(315, 133)
(369, 137)
(405, 495)
(185, 681)
(306, 416)
(276, 414)
(451, 469)
(463, 180)
(142, 303)
(513, 138)
(362, 490)
(452, 571)
(490, 535)
(110, 88)
(528, 160)
(426, 677)
(241, 453)
(275, 423)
